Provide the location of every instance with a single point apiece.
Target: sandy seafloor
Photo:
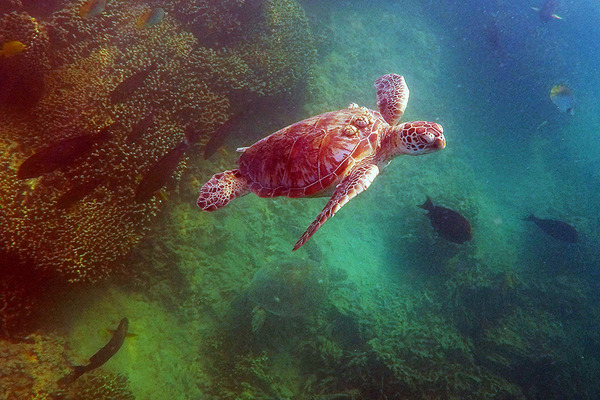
(407, 283)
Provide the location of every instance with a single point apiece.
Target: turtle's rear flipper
(221, 189)
(355, 182)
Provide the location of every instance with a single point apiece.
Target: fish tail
(428, 205)
(191, 135)
(78, 370)
(142, 20)
(104, 133)
(530, 217)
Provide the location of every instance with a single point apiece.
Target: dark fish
(129, 85)
(102, 356)
(492, 35)
(547, 11)
(60, 155)
(448, 223)
(77, 192)
(557, 229)
(160, 172)
(184, 115)
(140, 128)
(217, 138)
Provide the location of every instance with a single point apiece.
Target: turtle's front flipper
(355, 182)
(392, 97)
(221, 189)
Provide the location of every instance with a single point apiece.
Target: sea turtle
(339, 151)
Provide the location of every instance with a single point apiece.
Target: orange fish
(12, 48)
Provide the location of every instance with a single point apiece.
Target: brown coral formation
(78, 221)
(22, 76)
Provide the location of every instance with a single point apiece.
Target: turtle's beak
(439, 143)
(440, 140)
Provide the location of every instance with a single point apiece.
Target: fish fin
(111, 332)
(163, 195)
(191, 135)
(428, 205)
(530, 217)
(128, 335)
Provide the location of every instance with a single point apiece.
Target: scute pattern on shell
(309, 156)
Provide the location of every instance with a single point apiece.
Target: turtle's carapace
(339, 152)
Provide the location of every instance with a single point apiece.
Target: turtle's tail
(221, 189)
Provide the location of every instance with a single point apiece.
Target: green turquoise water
(511, 314)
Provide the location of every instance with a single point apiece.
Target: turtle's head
(418, 137)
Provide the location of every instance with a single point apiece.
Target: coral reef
(22, 75)
(79, 220)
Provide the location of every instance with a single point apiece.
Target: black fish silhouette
(217, 138)
(60, 155)
(492, 35)
(77, 192)
(139, 129)
(160, 172)
(559, 230)
(129, 85)
(448, 223)
(102, 356)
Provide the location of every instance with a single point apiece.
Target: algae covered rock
(287, 290)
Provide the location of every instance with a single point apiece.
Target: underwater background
(378, 304)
